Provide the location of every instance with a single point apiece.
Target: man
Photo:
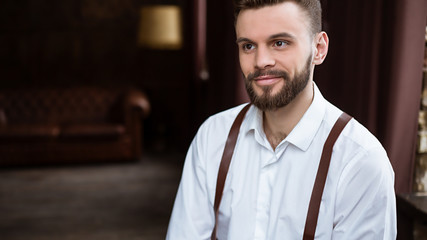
(276, 158)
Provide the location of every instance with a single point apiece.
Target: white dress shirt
(267, 192)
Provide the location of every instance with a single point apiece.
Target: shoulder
(213, 133)
(354, 135)
(222, 121)
(357, 147)
(366, 153)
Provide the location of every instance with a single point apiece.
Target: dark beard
(290, 89)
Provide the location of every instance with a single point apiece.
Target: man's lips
(266, 80)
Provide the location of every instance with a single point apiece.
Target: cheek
(245, 64)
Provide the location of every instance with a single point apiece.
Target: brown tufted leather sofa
(70, 125)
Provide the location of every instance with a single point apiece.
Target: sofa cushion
(92, 131)
(19, 132)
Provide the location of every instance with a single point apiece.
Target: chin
(268, 91)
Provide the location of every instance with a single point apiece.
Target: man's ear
(321, 42)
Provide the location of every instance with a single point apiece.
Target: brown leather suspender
(322, 172)
(225, 163)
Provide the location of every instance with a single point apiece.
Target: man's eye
(280, 44)
(248, 46)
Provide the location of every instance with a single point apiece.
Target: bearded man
(271, 180)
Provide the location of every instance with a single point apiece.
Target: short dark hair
(311, 7)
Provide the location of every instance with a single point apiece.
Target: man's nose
(264, 58)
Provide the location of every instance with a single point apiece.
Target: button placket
(266, 181)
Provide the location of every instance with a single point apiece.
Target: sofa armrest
(3, 119)
(137, 107)
(137, 100)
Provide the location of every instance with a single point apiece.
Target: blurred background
(99, 101)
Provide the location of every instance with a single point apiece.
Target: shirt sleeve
(366, 204)
(192, 215)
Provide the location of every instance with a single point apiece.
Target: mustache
(259, 73)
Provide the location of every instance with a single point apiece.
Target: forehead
(286, 17)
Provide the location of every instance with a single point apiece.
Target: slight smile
(266, 80)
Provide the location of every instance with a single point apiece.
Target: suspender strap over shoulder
(322, 173)
(313, 211)
(225, 162)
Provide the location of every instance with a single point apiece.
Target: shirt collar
(303, 133)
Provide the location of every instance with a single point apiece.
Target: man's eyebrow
(282, 35)
(274, 36)
(239, 40)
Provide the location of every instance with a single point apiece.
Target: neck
(279, 123)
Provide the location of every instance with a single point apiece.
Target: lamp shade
(160, 27)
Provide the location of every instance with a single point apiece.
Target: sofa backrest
(61, 105)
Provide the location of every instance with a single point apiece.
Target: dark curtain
(374, 71)
(403, 96)
(215, 59)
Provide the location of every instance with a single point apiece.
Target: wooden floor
(122, 201)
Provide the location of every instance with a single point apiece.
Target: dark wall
(93, 42)
(67, 42)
